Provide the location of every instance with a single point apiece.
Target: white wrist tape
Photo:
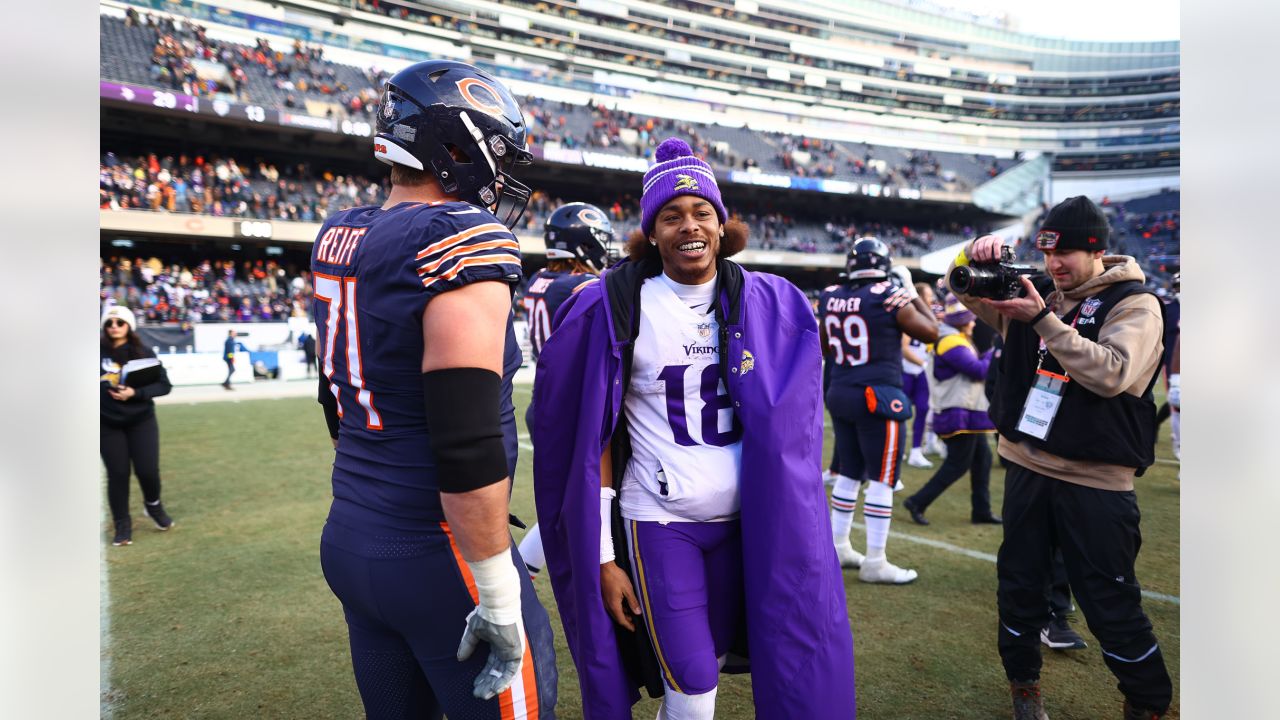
(606, 524)
(498, 584)
(1175, 380)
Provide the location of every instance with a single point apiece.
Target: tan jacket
(1123, 360)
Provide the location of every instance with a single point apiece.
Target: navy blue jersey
(861, 324)
(546, 292)
(374, 272)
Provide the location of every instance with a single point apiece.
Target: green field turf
(228, 616)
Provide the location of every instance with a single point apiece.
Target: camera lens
(961, 280)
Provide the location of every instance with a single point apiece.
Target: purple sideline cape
(801, 647)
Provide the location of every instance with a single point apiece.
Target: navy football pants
(406, 600)
(870, 447)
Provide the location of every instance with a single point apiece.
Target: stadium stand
(226, 187)
(167, 290)
(302, 78)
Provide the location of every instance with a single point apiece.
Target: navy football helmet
(579, 231)
(868, 259)
(463, 126)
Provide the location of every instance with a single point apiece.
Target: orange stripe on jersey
(491, 245)
(469, 262)
(467, 577)
(463, 236)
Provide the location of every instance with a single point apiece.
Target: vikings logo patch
(748, 362)
(1090, 306)
(686, 182)
(1048, 239)
(704, 330)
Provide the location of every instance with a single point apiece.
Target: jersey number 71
(339, 294)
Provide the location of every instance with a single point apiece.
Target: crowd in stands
(303, 78)
(232, 69)
(158, 291)
(258, 189)
(716, 36)
(225, 186)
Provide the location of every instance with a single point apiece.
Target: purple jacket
(801, 647)
(957, 364)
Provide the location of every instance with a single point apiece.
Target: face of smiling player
(687, 233)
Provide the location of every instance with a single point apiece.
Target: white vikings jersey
(922, 351)
(686, 441)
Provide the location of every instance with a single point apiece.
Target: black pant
(1059, 588)
(231, 368)
(1097, 531)
(966, 453)
(140, 444)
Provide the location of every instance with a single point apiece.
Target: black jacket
(137, 408)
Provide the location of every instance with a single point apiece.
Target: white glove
(1175, 391)
(497, 620)
(904, 278)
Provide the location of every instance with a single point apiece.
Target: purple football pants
(917, 388)
(688, 578)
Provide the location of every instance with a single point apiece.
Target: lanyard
(1044, 349)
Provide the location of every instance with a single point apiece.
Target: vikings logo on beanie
(1074, 224)
(677, 171)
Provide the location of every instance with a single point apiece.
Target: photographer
(1076, 419)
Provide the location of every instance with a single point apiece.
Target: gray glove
(506, 652)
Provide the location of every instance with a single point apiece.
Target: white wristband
(606, 524)
(498, 585)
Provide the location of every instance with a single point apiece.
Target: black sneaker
(917, 515)
(1059, 636)
(124, 532)
(989, 518)
(158, 515)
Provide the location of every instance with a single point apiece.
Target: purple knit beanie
(957, 315)
(676, 172)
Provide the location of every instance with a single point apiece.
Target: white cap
(122, 313)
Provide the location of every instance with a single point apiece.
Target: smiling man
(1077, 423)
(677, 461)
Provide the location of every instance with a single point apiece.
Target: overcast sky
(1088, 19)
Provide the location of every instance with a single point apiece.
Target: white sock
(678, 706)
(1175, 421)
(531, 551)
(877, 513)
(844, 500)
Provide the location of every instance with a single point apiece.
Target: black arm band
(1039, 316)
(464, 420)
(330, 404)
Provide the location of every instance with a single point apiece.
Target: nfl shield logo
(704, 330)
(1090, 306)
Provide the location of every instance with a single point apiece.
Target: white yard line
(979, 555)
(107, 706)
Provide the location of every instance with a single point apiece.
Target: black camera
(998, 280)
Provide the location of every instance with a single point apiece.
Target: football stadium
(259, 158)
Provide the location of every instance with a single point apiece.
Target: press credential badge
(1042, 404)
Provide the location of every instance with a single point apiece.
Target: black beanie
(1074, 224)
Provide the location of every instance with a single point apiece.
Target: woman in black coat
(130, 435)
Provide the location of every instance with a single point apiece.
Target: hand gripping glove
(496, 620)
